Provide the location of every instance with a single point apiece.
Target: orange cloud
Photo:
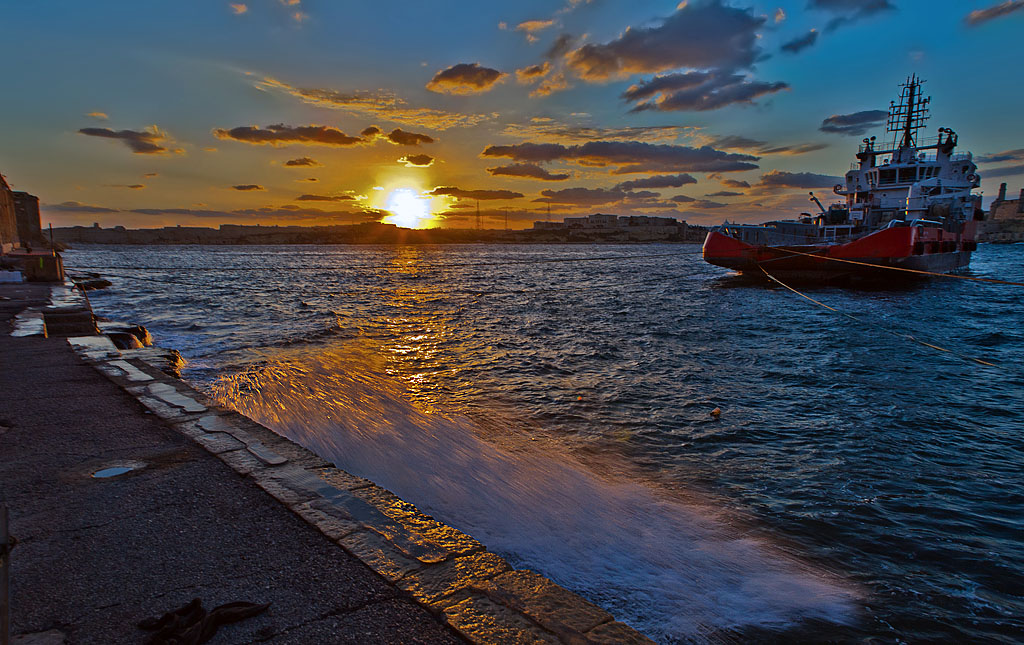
(465, 78)
(280, 134)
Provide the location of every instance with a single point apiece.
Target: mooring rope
(883, 266)
(891, 332)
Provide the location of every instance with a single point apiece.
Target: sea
(862, 482)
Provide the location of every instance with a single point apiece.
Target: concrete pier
(204, 503)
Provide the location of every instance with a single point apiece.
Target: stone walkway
(95, 556)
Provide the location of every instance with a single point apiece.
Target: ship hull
(872, 257)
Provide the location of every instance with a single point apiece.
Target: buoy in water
(717, 412)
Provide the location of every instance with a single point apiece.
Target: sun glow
(408, 209)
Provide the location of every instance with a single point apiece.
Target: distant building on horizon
(1003, 208)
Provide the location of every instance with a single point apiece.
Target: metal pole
(5, 595)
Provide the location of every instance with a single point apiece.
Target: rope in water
(867, 324)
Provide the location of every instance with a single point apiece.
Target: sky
(313, 112)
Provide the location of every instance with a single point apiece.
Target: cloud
(130, 186)
(734, 183)
(855, 123)
(288, 212)
(98, 115)
(697, 91)
(248, 187)
(800, 42)
(723, 193)
(704, 203)
(402, 138)
(78, 207)
(533, 171)
(280, 134)
(323, 198)
(699, 35)
(310, 179)
(1006, 155)
(548, 130)
(754, 146)
(583, 196)
(554, 83)
(682, 199)
(530, 27)
(1004, 171)
(302, 162)
(979, 16)
(151, 174)
(780, 15)
(239, 8)
(145, 142)
(780, 179)
(475, 194)
(417, 161)
(658, 181)
(377, 104)
(629, 156)
(465, 78)
(560, 46)
(533, 73)
(849, 11)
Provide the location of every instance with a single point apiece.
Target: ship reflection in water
(855, 485)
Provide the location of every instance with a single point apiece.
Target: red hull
(910, 247)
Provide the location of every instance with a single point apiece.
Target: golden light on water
(408, 209)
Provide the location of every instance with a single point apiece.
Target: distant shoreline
(372, 233)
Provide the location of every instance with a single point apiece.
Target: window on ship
(887, 176)
(907, 175)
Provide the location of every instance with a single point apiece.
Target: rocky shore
(202, 502)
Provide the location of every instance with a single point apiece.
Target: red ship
(904, 208)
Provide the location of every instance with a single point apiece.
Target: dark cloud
(1006, 155)
(682, 199)
(550, 130)
(302, 161)
(979, 16)
(1005, 171)
(475, 194)
(280, 134)
(697, 91)
(400, 137)
(629, 156)
(144, 142)
(699, 35)
(850, 11)
(371, 132)
(418, 161)
(583, 196)
(560, 46)
(533, 73)
(465, 78)
(132, 186)
(150, 174)
(782, 179)
(734, 183)
(658, 181)
(531, 170)
(323, 198)
(78, 207)
(800, 43)
(723, 193)
(248, 187)
(855, 123)
(754, 146)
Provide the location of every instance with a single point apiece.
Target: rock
(124, 340)
(93, 284)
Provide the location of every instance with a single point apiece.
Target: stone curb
(446, 571)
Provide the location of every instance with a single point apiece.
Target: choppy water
(857, 484)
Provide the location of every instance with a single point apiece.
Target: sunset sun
(408, 209)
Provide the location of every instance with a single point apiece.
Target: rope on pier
(891, 332)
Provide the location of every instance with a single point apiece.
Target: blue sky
(142, 114)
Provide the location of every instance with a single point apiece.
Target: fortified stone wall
(8, 222)
(26, 215)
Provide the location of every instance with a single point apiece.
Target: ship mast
(908, 115)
